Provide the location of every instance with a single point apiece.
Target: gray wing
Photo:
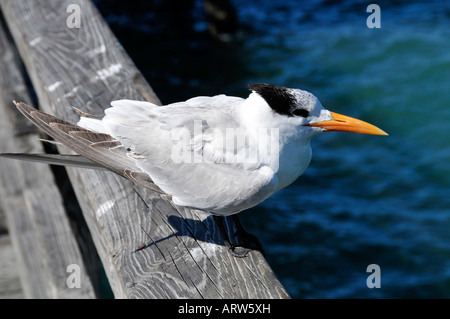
(100, 148)
(180, 146)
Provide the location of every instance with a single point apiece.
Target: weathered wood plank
(184, 256)
(10, 286)
(43, 240)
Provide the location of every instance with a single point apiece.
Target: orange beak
(344, 123)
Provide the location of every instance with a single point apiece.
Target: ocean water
(364, 199)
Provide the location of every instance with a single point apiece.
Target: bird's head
(302, 109)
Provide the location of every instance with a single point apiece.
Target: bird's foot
(247, 241)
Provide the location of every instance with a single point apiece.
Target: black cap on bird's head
(281, 99)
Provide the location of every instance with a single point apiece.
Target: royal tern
(218, 154)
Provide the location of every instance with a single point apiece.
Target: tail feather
(55, 159)
(92, 124)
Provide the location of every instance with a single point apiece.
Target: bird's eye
(300, 112)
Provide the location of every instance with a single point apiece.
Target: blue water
(364, 199)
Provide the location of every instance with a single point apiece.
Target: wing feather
(92, 145)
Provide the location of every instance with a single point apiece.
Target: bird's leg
(223, 231)
(248, 241)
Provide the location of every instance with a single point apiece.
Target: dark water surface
(364, 199)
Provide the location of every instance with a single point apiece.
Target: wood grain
(10, 285)
(44, 243)
(149, 247)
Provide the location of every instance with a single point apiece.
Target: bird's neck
(294, 150)
(293, 161)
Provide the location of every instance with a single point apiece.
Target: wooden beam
(43, 241)
(10, 284)
(150, 248)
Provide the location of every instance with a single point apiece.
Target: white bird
(219, 154)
